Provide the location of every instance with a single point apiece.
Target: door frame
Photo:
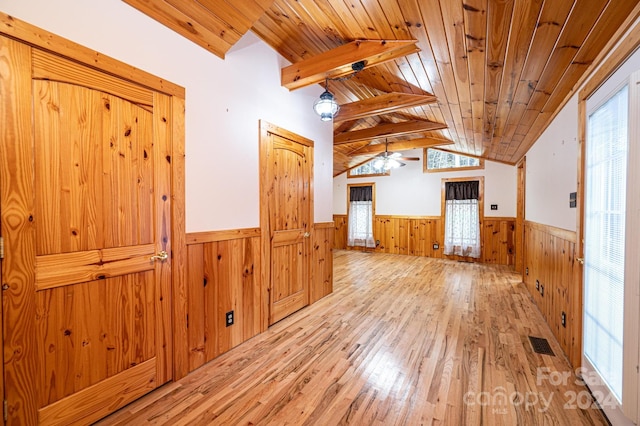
(34, 37)
(521, 176)
(266, 128)
(616, 59)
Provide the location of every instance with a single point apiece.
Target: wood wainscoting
(223, 273)
(321, 262)
(416, 236)
(551, 276)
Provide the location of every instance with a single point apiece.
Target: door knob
(162, 256)
(580, 259)
(306, 235)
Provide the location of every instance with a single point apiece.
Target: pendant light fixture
(326, 107)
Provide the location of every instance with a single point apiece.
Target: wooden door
(286, 218)
(85, 193)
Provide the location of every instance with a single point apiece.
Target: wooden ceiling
(485, 75)
(216, 25)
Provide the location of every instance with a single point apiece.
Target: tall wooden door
(85, 193)
(286, 218)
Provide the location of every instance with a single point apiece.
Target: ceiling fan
(387, 161)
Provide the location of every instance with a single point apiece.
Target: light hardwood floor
(402, 341)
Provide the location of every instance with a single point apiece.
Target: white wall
(552, 162)
(410, 192)
(552, 170)
(224, 101)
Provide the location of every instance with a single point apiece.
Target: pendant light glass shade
(326, 107)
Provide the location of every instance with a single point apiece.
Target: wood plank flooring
(402, 341)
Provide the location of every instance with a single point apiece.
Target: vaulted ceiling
(484, 76)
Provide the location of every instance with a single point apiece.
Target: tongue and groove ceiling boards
(484, 76)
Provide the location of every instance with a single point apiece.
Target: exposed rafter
(337, 62)
(382, 104)
(401, 146)
(387, 130)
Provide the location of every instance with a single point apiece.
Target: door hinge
(5, 409)
(1, 248)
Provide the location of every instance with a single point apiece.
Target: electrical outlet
(537, 285)
(526, 271)
(541, 290)
(563, 319)
(229, 317)
(436, 246)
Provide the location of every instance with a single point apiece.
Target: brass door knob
(162, 256)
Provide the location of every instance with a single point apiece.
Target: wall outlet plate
(436, 246)
(494, 207)
(563, 319)
(526, 271)
(229, 318)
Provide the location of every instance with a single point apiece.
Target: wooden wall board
(416, 236)
(550, 260)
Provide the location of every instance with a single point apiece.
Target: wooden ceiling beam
(382, 104)
(337, 62)
(387, 130)
(401, 146)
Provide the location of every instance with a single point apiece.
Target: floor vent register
(541, 346)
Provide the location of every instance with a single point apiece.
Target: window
(360, 216)
(462, 218)
(437, 160)
(367, 169)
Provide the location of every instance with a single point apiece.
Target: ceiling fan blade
(408, 158)
(395, 155)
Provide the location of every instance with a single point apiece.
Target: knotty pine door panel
(86, 171)
(286, 218)
(95, 179)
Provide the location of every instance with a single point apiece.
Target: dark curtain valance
(361, 193)
(468, 190)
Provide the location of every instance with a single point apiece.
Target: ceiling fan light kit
(386, 163)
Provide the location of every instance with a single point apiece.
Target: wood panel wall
(416, 236)
(551, 275)
(223, 274)
(321, 262)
